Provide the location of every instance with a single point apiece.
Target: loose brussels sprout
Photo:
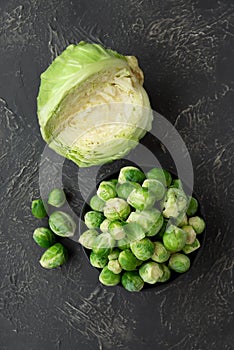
(160, 254)
(116, 229)
(191, 234)
(123, 243)
(88, 238)
(54, 256)
(150, 272)
(57, 198)
(103, 244)
(131, 173)
(124, 189)
(183, 221)
(192, 207)
(114, 266)
(156, 187)
(93, 219)
(141, 199)
(179, 262)
(161, 175)
(142, 249)
(114, 255)
(97, 260)
(128, 261)
(97, 203)
(132, 282)
(175, 203)
(189, 248)
(62, 224)
(44, 237)
(174, 239)
(106, 190)
(151, 220)
(108, 278)
(177, 183)
(134, 232)
(116, 209)
(105, 225)
(166, 273)
(38, 209)
(197, 223)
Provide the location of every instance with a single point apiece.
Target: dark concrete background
(186, 50)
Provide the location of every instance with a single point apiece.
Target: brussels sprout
(160, 254)
(97, 203)
(183, 221)
(57, 198)
(93, 219)
(131, 173)
(141, 199)
(97, 260)
(151, 220)
(132, 282)
(166, 273)
(124, 189)
(177, 184)
(116, 209)
(54, 256)
(134, 232)
(106, 190)
(114, 266)
(44, 237)
(38, 209)
(179, 262)
(191, 234)
(175, 203)
(174, 239)
(116, 229)
(143, 249)
(192, 207)
(161, 175)
(88, 238)
(197, 223)
(189, 248)
(123, 243)
(103, 244)
(128, 261)
(62, 224)
(109, 278)
(105, 225)
(150, 272)
(156, 187)
(114, 255)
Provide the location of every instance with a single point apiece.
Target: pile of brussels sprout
(141, 228)
(60, 224)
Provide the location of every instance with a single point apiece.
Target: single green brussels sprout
(116, 209)
(142, 249)
(114, 255)
(191, 234)
(151, 220)
(183, 221)
(141, 199)
(88, 238)
(132, 282)
(114, 266)
(197, 223)
(179, 262)
(166, 273)
(128, 261)
(106, 190)
(97, 260)
(123, 243)
(192, 207)
(44, 237)
(38, 209)
(161, 175)
(93, 219)
(160, 254)
(57, 198)
(62, 224)
(131, 173)
(105, 225)
(109, 278)
(177, 183)
(134, 232)
(189, 248)
(150, 272)
(156, 187)
(174, 239)
(54, 256)
(97, 203)
(103, 244)
(124, 189)
(175, 203)
(116, 229)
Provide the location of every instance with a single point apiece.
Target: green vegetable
(57, 198)
(116, 229)
(150, 272)
(97, 260)
(132, 282)
(189, 248)
(106, 190)
(116, 209)
(175, 203)
(177, 184)
(179, 262)
(123, 243)
(143, 249)
(161, 175)
(128, 261)
(114, 181)
(93, 219)
(62, 224)
(156, 187)
(108, 278)
(105, 225)
(131, 173)
(97, 203)
(141, 198)
(160, 254)
(151, 220)
(54, 256)
(124, 189)
(192, 207)
(88, 238)
(44, 237)
(191, 234)
(174, 238)
(166, 273)
(183, 221)
(134, 232)
(197, 223)
(114, 255)
(114, 266)
(103, 244)
(38, 209)
(72, 100)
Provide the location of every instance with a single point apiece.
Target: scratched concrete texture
(186, 50)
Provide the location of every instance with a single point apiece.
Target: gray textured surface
(186, 49)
